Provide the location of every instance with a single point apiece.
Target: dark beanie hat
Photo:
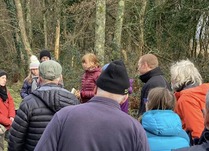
(114, 78)
(2, 73)
(45, 53)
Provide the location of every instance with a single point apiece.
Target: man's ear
(146, 65)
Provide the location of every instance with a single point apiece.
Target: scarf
(3, 93)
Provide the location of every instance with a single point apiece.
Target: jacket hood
(198, 92)
(55, 97)
(154, 72)
(162, 122)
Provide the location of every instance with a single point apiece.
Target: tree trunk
(119, 24)
(57, 40)
(100, 29)
(141, 26)
(57, 36)
(21, 24)
(45, 24)
(28, 22)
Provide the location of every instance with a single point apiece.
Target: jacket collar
(105, 101)
(154, 72)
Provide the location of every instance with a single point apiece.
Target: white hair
(184, 72)
(117, 97)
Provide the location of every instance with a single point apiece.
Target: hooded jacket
(190, 105)
(35, 113)
(164, 130)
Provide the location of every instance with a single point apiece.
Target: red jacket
(7, 110)
(190, 105)
(88, 87)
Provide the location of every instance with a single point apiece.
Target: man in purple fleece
(99, 124)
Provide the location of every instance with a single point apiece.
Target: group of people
(95, 117)
(163, 116)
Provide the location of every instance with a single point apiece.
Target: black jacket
(34, 114)
(152, 79)
(202, 147)
(203, 144)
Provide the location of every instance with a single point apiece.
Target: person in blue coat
(162, 125)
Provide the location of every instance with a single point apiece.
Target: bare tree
(100, 29)
(45, 24)
(57, 41)
(57, 36)
(28, 21)
(21, 24)
(119, 24)
(141, 26)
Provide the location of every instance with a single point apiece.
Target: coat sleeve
(5, 120)
(24, 89)
(191, 115)
(19, 128)
(50, 138)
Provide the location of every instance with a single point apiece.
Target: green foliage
(169, 28)
(72, 69)
(14, 90)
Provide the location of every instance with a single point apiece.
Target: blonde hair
(150, 59)
(92, 58)
(29, 77)
(160, 98)
(184, 72)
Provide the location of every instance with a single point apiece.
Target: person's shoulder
(29, 99)
(71, 110)
(158, 78)
(132, 120)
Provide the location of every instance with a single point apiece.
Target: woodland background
(112, 29)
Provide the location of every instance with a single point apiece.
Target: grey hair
(207, 101)
(117, 97)
(184, 72)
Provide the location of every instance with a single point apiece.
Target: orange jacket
(190, 105)
(7, 110)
